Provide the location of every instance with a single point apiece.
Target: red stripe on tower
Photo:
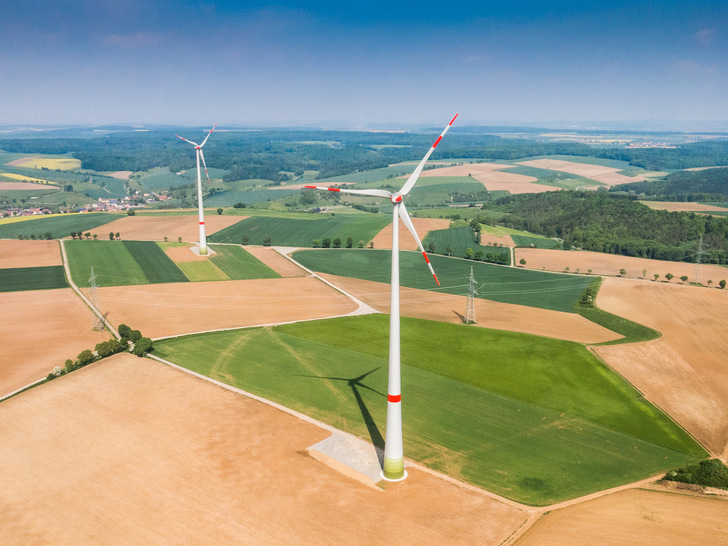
(202, 223)
(437, 142)
(394, 398)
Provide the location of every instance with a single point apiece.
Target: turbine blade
(208, 136)
(375, 192)
(183, 138)
(416, 174)
(202, 156)
(404, 215)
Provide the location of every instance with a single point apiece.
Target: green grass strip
(154, 262)
(238, 264)
(112, 263)
(32, 278)
(202, 271)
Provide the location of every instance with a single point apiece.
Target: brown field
(131, 451)
(684, 372)
(605, 175)
(195, 307)
(490, 314)
(156, 228)
(40, 329)
(610, 264)
(182, 254)
(423, 226)
(492, 177)
(121, 175)
(635, 516)
(673, 206)
(29, 253)
(8, 186)
(20, 161)
(270, 257)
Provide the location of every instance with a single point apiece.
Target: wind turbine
(198, 149)
(393, 446)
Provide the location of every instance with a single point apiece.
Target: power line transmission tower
(98, 323)
(699, 259)
(472, 292)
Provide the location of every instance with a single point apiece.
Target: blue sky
(364, 64)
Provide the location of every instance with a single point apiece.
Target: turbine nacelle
(396, 198)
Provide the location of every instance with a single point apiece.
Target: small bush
(710, 473)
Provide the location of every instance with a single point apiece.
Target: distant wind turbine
(198, 149)
(393, 446)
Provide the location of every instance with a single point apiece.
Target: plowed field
(406, 242)
(179, 308)
(493, 178)
(29, 253)
(40, 330)
(132, 451)
(684, 372)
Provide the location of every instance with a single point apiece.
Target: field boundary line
(81, 295)
(21, 389)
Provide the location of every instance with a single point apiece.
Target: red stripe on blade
(310, 187)
(426, 258)
(436, 279)
(333, 189)
(453, 119)
(437, 142)
(394, 398)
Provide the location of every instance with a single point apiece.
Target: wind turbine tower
(393, 445)
(200, 155)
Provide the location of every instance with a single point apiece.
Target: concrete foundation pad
(351, 456)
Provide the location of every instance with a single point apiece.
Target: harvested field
(635, 516)
(20, 161)
(674, 206)
(270, 257)
(490, 314)
(423, 226)
(29, 253)
(52, 163)
(156, 228)
(605, 175)
(135, 451)
(492, 177)
(610, 264)
(684, 372)
(39, 330)
(121, 175)
(183, 254)
(181, 308)
(7, 186)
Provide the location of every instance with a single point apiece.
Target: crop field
(295, 232)
(52, 163)
(161, 178)
(155, 264)
(498, 283)
(21, 178)
(536, 241)
(239, 265)
(59, 226)
(536, 420)
(32, 278)
(459, 240)
(203, 270)
(249, 197)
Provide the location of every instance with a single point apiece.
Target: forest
(685, 186)
(614, 224)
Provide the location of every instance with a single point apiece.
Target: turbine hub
(396, 197)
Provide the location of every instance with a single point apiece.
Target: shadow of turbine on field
(355, 384)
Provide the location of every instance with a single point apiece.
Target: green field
(238, 264)
(535, 242)
(498, 283)
(32, 278)
(202, 271)
(459, 240)
(58, 225)
(534, 419)
(287, 231)
(155, 264)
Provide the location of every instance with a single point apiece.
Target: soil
(489, 314)
(270, 257)
(610, 264)
(29, 253)
(195, 307)
(673, 206)
(493, 178)
(7, 186)
(20, 161)
(156, 228)
(39, 330)
(182, 254)
(423, 226)
(605, 175)
(634, 516)
(121, 175)
(684, 372)
(129, 450)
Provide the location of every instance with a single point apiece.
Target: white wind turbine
(198, 149)
(393, 446)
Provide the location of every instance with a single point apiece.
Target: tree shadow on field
(355, 384)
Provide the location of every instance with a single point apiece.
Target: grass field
(32, 278)
(459, 239)
(154, 263)
(202, 271)
(534, 419)
(58, 225)
(112, 262)
(238, 264)
(537, 242)
(498, 283)
(302, 232)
